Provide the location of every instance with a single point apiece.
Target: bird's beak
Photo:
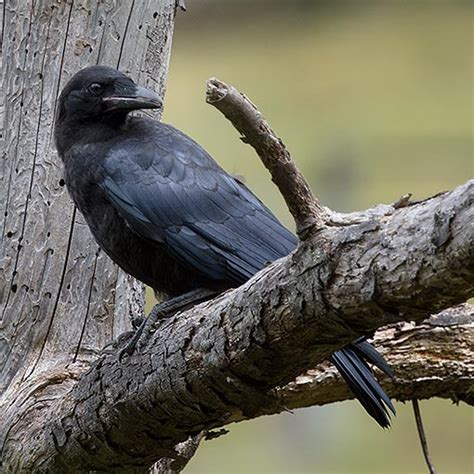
(138, 98)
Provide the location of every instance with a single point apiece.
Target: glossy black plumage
(167, 213)
(178, 196)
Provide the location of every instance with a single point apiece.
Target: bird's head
(99, 92)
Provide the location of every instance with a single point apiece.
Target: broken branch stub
(306, 210)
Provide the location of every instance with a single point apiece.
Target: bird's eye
(95, 88)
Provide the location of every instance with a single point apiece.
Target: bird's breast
(148, 261)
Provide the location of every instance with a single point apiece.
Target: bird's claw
(129, 348)
(162, 311)
(126, 351)
(152, 321)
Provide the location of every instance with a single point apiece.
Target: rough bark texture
(221, 361)
(431, 359)
(61, 300)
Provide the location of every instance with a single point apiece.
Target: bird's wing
(169, 190)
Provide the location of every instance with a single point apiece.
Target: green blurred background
(374, 100)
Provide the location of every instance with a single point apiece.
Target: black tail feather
(350, 361)
(368, 352)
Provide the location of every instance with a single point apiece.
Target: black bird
(168, 214)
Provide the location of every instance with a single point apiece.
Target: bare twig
(184, 453)
(180, 4)
(422, 435)
(303, 205)
(403, 201)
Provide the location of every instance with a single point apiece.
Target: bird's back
(169, 205)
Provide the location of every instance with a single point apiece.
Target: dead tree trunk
(230, 359)
(61, 299)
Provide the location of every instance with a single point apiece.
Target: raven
(164, 211)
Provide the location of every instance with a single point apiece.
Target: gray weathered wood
(305, 208)
(431, 359)
(219, 361)
(222, 361)
(61, 299)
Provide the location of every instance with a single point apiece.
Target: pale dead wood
(303, 205)
(222, 361)
(431, 359)
(61, 300)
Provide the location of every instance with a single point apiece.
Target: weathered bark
(219, 362)
(223, 360)
(61, 300)
(431, 359)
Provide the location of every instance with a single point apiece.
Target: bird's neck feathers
(71, 131)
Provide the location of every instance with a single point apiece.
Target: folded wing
(169, 190)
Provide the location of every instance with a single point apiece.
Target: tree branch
(219, 361)
(309, 215)
(431, 359)
(222, 360)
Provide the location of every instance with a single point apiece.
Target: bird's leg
(164, 310)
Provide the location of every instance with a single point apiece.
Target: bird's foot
(152, 320)
(162, 311)
(137, 322)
